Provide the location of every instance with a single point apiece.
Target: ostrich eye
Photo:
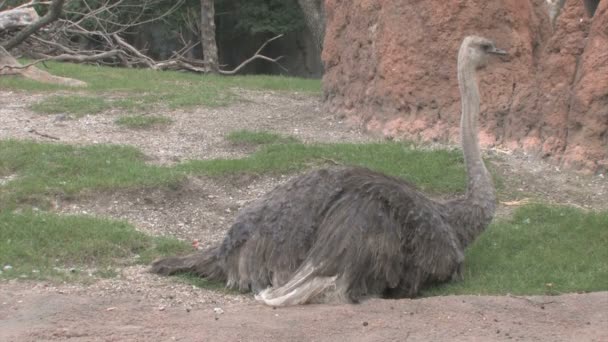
(486, 46)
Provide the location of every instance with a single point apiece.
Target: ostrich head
(477, 49)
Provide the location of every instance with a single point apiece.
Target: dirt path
(33, 315)
(138, 306)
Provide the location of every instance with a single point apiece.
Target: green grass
(72, 104)
(138, 89)
(81, 105)
(246, 137)
(434, 171)
(46, 170)
(39, 172)
(540, 250)
(49, 246)
(143, 121)
(42, 171)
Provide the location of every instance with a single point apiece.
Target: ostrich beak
(497, 51)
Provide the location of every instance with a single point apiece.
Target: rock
(218, 311)
(391, 67)
(587, 141)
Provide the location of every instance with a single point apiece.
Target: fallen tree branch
(44, 135)
(16, 18)
(251, 59)
(65, 58)
(108, 6)
(55, 45)
(82, 58)
(50, 16)
(111, 48)
(33, 3)
(255, 56)
(10, 66)
(179, 64)
(147, 60)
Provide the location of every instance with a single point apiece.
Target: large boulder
(391, 67)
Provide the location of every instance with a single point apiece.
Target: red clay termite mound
(391, 66)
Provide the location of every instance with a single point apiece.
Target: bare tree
(208, 42)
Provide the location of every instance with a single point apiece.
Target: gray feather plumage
(378, 233)
(346, 233)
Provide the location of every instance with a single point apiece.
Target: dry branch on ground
(55, 43)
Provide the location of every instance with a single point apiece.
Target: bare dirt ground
(138, 306)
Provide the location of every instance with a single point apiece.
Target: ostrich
(346, 233)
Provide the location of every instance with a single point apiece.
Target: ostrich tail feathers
(205, 264)
(304, 287)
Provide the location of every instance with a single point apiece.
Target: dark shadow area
(591, 6)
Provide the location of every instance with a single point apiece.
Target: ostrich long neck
(477, 209)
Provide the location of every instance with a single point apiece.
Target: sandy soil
(33, 315)
(138, 306)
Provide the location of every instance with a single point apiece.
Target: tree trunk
(208, 36)
(314, 14)
(17, 18)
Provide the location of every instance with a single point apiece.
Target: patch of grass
(81, 105)
(49, 246)
(133, 104)
(72, 104)
(541, 250)
(142, 88)
(246, 137)
(143, 121)
(46, 170)
(107, 273)
(270, 82)
(42, 171)
(164, 246)
(435, 171)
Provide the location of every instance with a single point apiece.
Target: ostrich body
(342, 234)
